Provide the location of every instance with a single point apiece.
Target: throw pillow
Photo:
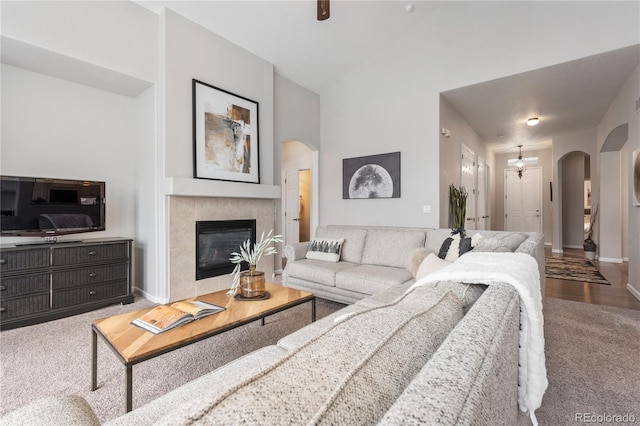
(416, 258)
(501, 243)
(327, 249)
(455, 246)
(430, 264)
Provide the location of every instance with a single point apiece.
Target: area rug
(573, 269)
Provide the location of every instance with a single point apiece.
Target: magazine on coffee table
(166, 317)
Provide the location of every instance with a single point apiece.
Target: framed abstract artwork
(373, 176)
(225, 135)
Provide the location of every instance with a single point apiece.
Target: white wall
(147, 197)
(58, 129)
(450, 153)
(296, 118)
(75, 119)
(610, 216)
(391, 102)
(191, 51)
(117, 35)
(622, 110)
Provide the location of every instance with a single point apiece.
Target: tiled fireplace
(216, 240)
(184, 212)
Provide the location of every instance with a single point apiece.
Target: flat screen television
(34, 206)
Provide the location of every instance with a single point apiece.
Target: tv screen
(44, 206)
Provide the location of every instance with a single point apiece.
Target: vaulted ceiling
(565, 97)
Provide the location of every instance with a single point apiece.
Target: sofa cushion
(220, 380)
(380, 348)
(391, 248)
(309, 332)
(435, 237)
(370, 279)
(430, 264)
(472, 378)
(62, 410)
(503, 242)
(327, 249)
(317, 270)
(353, 240)
(416, 258)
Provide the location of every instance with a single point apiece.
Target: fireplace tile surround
(183, 214)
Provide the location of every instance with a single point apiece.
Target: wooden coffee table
(132, 344)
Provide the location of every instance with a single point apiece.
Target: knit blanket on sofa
(521, 271)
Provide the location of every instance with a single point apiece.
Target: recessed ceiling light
(409, 8)
(533, 121)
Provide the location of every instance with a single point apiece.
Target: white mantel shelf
(189, 187)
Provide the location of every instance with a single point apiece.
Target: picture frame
(635, 167)
(372, 176)
(225, 135)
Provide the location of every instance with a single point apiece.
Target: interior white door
(523, 200)
(481, 214)
(292, 207)
(468, 180)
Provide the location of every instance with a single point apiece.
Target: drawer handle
(3, 309)
(92, 275)
(92, 253)
(3, 287)
(3, 261)
(92, 292)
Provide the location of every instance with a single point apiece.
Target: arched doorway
(298, 210)
(576, 200)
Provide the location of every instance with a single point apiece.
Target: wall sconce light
(445, 132)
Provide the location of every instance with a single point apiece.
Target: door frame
(541, 202)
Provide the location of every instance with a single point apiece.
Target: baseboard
(574, 247)
(548, 244)
(633, 291)
(557, 251)
(277, 272)
(625, 259)
(609, 259)
(161, 300)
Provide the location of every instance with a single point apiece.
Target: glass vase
(252, 283)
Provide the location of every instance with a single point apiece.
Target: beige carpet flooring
(592, 360)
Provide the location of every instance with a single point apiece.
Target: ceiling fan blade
(323, 10)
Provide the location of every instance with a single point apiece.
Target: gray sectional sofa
(440, 354)
(376, 258)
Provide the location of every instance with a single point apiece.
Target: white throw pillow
(327, 249)
(430, 264)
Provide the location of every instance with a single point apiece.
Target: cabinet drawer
(18, 260)
(89, 274)
(80, 295)
(89, 253)
(24, 306)
(23, 284)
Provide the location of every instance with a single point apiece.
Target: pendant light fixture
(520, 164)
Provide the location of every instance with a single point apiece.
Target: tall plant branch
(252, 256)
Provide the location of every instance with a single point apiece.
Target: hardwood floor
(615, 294)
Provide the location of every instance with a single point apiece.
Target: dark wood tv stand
(43, 282)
